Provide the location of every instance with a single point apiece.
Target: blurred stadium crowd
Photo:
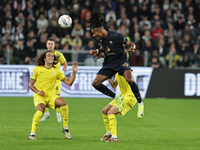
(166, 29)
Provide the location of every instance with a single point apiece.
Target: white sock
(65, 128)
(114, 136)
(140, 103)
(32, 133)
(108, 133)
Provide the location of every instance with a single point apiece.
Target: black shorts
(110, 70)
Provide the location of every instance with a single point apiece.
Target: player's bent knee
(63, 103)
(130, 81)
(59, 102)
(104, 111)
(95, 84)
(41, 107)
(109, 113)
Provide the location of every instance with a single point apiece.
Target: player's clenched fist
(93, 52)
(75, 67)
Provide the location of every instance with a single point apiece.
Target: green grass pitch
(168, 124)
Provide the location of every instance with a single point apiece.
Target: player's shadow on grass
(54, 138)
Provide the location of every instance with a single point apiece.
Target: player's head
(47, 57)
(96, 24)
(50, 45)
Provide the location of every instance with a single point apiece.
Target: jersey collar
(107, 35)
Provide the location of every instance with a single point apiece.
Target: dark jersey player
(115, 59)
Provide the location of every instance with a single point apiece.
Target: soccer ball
(65, 21)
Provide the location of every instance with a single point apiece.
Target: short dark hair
(51, 40)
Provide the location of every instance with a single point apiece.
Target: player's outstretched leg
(58, 115)
(35, 122)
(140, 112)
(113, 127)
(108, 130)
(64, 113)
(105, 90)
(136, 92)
(46, 115)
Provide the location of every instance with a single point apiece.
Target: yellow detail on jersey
(107, 49)
(111, 42)
(61, 59)
(124, 40)
(123, 85)
(108, 52)
(46, 78)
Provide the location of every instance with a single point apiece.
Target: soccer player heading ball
(115, 60)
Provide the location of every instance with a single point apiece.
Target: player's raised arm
(132, 48)
(72, 78)
(64, 66)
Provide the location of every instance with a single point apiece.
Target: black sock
(103, 89)
(136, 92)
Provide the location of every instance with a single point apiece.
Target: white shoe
(59, 118)
(67, 134)
(105, 137)
(32, 137)
(45, 117)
